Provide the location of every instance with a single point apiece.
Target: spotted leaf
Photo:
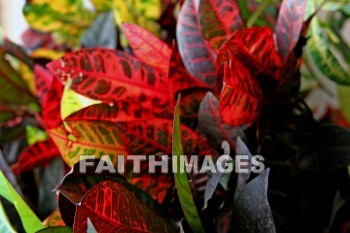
(218, 19)
(111, 76)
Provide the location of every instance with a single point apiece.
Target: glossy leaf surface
(110, 76)
(181, 179)
(195, 53)
(218, 19)
(112, 207)
(289, 25)
(147, 47)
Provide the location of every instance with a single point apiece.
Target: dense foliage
(163, 77)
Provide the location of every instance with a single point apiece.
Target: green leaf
(5, 225)
(56, 230)
(13, 88)
(344, 98)
(30, 221)
(325, 60)
(35, 135)
(181, 180)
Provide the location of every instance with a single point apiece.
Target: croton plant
(167, 77)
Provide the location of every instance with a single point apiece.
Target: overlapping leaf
(251, 68)
(212, 125)
(112, 76)
(144, 13)
(179, 78)
(195, 53)
(37, 155)
(83, 137)
(154, 187)
(251, 205)
(18, 52)
(147, 47)
(102, 33)
(119, 111)
(51, 105)
(67, 19)
(43, 80)
(153, 136)
(218, 19)
(28, 219)
(326, 61)
(181, 179)
(112, 207)
(14, 89)
(54, 219)
(289, 25)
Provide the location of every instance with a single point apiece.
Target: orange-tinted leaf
(212, 125)
(147, 47)
(37, 155)
(113, 208)
(54, 219)
(195, 52)
(82, 137)
(218, 19)
(289, 25)
(236, 107)
(111, 76)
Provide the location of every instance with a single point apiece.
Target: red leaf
(18, 52)
(43, 80)
(289, 25)
(212, 125)
(149, 137)
(113, 208)
(218, 19)
(33, 40)
(37, 155)
(236, 107)
(119, 111)
(112, 76)
(195, 52)
(157, 188)
(255, 49)
(51, 105)
(147, 47)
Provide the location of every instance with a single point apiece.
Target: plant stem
(255, 16)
